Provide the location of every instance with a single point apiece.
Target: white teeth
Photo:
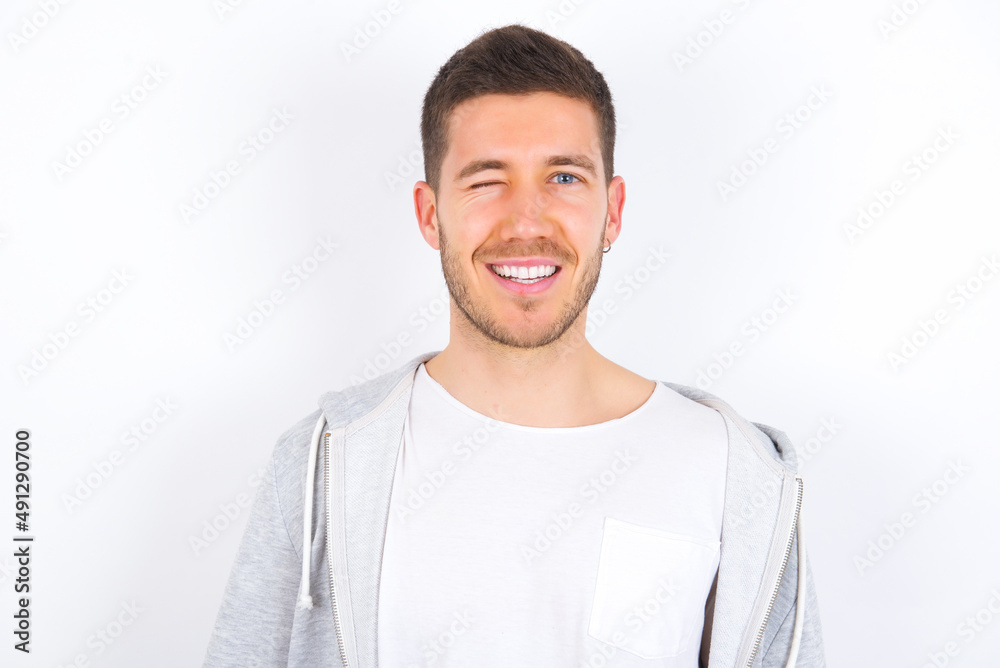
(523, 274)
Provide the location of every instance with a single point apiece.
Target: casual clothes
(326, 555)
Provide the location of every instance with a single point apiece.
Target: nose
(529, 216)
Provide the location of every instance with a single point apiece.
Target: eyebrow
(577, 160)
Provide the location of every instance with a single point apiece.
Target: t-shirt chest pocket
(651, 589)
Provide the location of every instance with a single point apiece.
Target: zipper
(329, 549)
(781, 574)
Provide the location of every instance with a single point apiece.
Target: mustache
(543, 247)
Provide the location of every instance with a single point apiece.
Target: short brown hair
(512, 60)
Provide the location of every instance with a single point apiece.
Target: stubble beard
(493, 328)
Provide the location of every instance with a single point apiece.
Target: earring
(607, 249)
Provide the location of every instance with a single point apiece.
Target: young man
(517, 499)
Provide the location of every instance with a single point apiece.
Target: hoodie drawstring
(305, 600)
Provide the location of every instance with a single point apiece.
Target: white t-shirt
(569, 546)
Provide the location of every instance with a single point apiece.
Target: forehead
(538, 123)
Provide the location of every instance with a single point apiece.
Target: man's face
(522, 213)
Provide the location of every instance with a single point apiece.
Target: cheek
(580, 220)
(475, 221)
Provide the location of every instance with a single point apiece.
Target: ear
(425, 206)
(616, 204)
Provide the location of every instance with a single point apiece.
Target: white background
(683, 129)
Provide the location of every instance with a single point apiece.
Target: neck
(564, 384)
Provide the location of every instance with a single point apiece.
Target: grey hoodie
(303, 591)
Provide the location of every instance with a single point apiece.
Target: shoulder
(701, 427)
(290, 457)
(342, 407)
(289, 462)
(769, 443)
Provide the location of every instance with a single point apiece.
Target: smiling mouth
(524, 275)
